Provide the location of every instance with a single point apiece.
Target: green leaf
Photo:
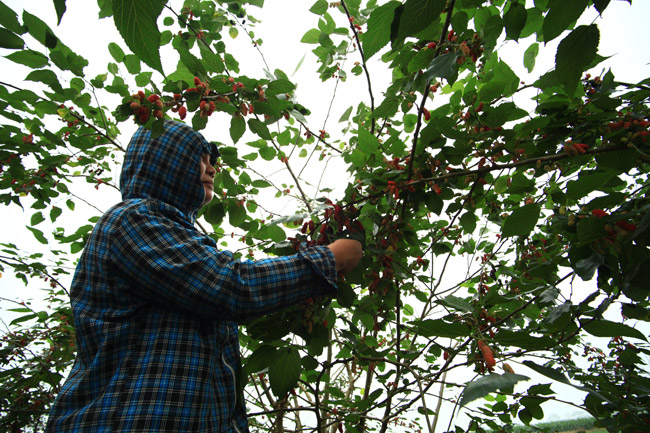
(492, 29)
(523, 340)
(198, 122)
(503, 113)
(421, 60)
(444, 66)
(9, 19)
(65, 58)
(23, 319)
(368, 143)
(143, 79)
(525, 416)
(237, 128)
(279, 86)
(285, 371)
(211, 61)
(193, 64)
(259, 128)
(10, 40)
(320, 7)
(491, 90)
(214, 212)
(548, 372)
(522, 221)
(635, 311)
(267, 153)
(600, 5)
(345, 295)
(261, 359)
(560, 15)
(311, 37)
(346, 115)
(488, 384)
(327, 45)
(55, 213)
(48, 77)
(38, 235)
(560, 377)
(259, 183)
(530, 55)
(586, 268)
(273, 232)
(326, 24)
(136, 22)
(32, 59)
(236, 214)
(59, 6)
(39, 30)
(456, 303)
(459, 21)
(231, 63)
(502, 72)
(37, 218)
(105, 8)
(116, 52)
(606, 328)
(387, 108)
(587, 183)
(468, 222)
(440, 328)
(378, 33)
(416, 16)
(132, 63)
(575, 54)
(515, 20)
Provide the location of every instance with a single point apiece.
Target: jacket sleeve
(168, 262)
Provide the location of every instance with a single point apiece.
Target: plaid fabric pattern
(156, 304)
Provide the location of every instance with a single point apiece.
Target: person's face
(207, 178)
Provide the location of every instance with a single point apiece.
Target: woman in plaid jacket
(156, 304)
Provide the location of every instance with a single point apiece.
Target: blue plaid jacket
(156, 304)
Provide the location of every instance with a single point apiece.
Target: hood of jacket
(166, 168)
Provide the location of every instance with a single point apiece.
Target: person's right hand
(347, 253)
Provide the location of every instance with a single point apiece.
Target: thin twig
(363, 62)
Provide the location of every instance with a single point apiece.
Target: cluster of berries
(356, 26)
(206, 108)
(393, 188)
(245, 108)
(178, 106)
(572, 148)
(144, 106)
(625, 226)
(592, 85)
(634, 128)
(469, 49)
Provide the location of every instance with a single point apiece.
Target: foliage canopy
(455, 163)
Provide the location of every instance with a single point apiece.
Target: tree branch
(363, 62)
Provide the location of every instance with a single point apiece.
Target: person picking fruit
(157, 305)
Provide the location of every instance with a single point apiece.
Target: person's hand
(347, 253)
